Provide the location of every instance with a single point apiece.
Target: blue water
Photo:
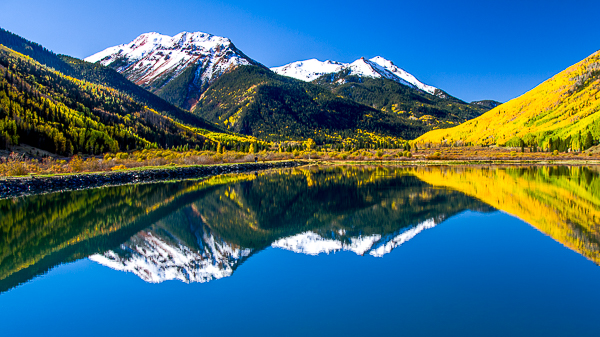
(475, 274)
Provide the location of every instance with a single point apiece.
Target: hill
(560, 114)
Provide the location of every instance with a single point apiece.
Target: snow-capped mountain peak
(152, 60)
(310, 69)
(402, 74)
(377, 67)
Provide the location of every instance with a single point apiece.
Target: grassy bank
(19, 165)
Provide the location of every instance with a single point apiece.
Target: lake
(319, 251)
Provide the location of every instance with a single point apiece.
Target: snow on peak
(402, 74)
(388, 245)
(377, 67)
(309, 70)
(153, 59)
(155, 259)
(311, 243)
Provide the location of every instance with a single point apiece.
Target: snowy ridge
(155, 260)
(377, 67)
(310, 69)
(388, 245)
(153, 59)
(311, 243)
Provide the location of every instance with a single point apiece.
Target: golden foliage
(562, 106)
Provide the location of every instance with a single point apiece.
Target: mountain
(560, 114)
(377, 67)
(255, 101)
(309, 70)
(177, 68)
(489, 104)
(101, 75)
(209, 76)
(431, 111)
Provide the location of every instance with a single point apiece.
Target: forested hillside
(255, 101)
(560, 114)
(99, 74)
(433, 111)
(60, 114)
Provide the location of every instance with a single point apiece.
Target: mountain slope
(561, 113)
(433, 111)
(177, 68)
(99, 74)
(48, 110)
(255, 101)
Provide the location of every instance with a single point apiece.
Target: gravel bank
(17, 187)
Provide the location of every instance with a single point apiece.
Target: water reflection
(197, 231)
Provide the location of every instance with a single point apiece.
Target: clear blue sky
(472, 49)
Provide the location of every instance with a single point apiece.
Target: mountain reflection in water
(198, 231)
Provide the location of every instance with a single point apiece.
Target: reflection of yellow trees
(562, 202)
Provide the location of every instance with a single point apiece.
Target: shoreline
(14, 187)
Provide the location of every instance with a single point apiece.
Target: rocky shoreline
(18, 187)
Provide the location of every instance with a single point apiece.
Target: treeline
(63, 115)
(546, 142)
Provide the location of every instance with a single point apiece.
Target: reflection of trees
(359, 201)
(253, 210)
(39, 232)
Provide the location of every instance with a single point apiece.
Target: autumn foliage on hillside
(560, 114)
(60, 114)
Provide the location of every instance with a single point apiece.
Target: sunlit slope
(562, 202)
(563, 106)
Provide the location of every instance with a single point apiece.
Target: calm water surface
(321, 251)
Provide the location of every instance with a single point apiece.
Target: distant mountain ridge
(376, 67)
